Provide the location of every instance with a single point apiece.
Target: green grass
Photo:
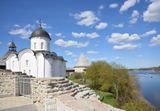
(74, 79)
(107, 97)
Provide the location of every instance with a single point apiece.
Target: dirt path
(19, 103)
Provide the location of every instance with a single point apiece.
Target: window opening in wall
(42, 45)
(35, 45)
(26, 63)
(29, 71)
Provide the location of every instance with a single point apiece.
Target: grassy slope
(105, 97)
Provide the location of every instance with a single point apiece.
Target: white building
(81, 64)
(37, 61)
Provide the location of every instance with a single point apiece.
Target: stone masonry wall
(9, 82)
(61, 94)
(53, 94)
(48, 87)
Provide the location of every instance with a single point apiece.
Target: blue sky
(123, 31)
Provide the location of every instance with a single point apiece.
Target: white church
(37, 60)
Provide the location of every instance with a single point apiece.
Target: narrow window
(29, 71)
(35, 45)
(41, 45)
(26, 63)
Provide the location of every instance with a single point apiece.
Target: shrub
(115, 79)
(138, 106)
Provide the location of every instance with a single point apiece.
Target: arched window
(26, 63)
(42, 45)
(34, 45)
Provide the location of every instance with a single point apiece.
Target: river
(149, 84)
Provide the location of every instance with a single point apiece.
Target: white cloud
(148, 33)
(134, 17)
(101, 25)
(86, 18)
(113, 5)
(83, 34)
(71, 43)
(92, 52)
(117, 58)
(23, 32)
(119, 25)
(0, 42)
(44, 25)
(69, 53)
(98, 59)
(155, 41)
(152, 14)
(16, 25)
(140, 55)
(118, 38)
(125, 46)
(58, 34)
(128, 4)
(101, 7)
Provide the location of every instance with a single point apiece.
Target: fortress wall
(46, 90)
(9, 82)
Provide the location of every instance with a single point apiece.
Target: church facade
(37, 60)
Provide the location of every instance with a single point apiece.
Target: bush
(138, 106)
(97, 74)
(77, 77)
(115, 79)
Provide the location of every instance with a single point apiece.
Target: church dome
(40, 32)
(11, 45)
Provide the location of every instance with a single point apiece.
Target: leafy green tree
(115, 79)
(139, 105)
(97, 74)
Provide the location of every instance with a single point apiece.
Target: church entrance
(24, 86)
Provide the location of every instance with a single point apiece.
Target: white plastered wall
(79, 69)
(40, 65)
(38, 41)
(49, 72)
(12, 63)
(31, 67)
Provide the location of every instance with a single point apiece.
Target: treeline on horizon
(148, 68)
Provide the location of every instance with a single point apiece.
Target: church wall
(40, 64)
(12, 63)
(28, 64)
(59, 68)
(48, 67)
(8, 64)
(38, 41)
(56, 67)
(79, 69)
(63, 69)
